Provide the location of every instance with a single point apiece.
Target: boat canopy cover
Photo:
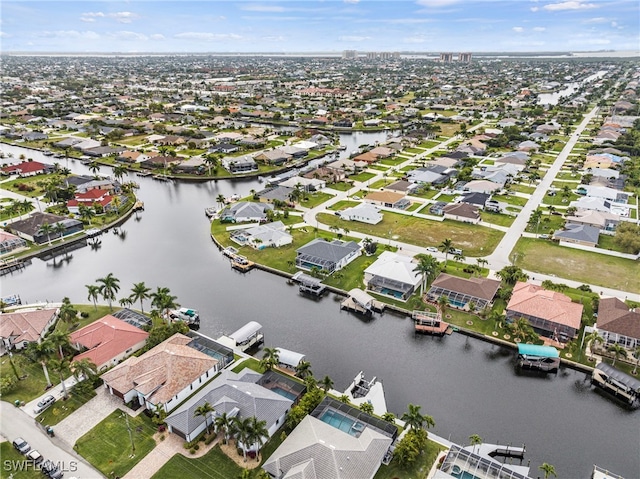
(534, 350)
(246, 331)
(362, 298)
(619, 376)
(290, 358)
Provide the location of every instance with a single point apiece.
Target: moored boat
(187, 315)
(540, 358)
(617, 383)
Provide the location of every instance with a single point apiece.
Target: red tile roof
(25, 326)
(615, 316)
(25, 167)
(106, 338)
(531, 300)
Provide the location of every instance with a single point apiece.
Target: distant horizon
(310, 26)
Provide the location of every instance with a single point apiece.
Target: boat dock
(620, 385)
(9, 301)
(9, 265)
(308, 284)
(426, 322)
(539, 358)
(143, 173)
(361, 302)
(241, 263)
(248, 336)
(138, 206)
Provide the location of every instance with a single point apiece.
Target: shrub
(162, 437)
(210, 439)
(192, 450)
(196, 447)
(84, 314)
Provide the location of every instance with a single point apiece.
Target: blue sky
(320, 25)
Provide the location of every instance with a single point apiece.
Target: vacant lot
(550, 258)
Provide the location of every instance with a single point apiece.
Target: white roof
(246, 331)
(290, 358)
(396, 267)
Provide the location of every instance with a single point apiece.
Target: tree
(126, 301)
(86, 213)
(119, 171)
(46, 229)
(389, 417)
(636, 354)
(258, 434)
(223, 423)
(428, 267)
(61, 366)
(204, 410)
(270, 358)
(446, 247)
(548, 470)
(140, 292)
(221, 200)
(93, 292)
(243, 434)
(303, 369)
(414, 419)
(344, 399)
(366, 407)
(41, 352)
(510, 275)
(163, 301)
(59, 229)
(443, 301)
(326, 383)
(627, 237)
(59, 339)
(475, 440)
(522, 330)
(94, 168)
(84, 369)
(67, 312)
(618, 351)
(109, 286)
(592, 339)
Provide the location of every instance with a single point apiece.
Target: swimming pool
(342, 422)
(284, 393)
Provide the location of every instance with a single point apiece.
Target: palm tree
(223, 423)
(618, 351)
(86, 213)
(548, 470)
(475, 440)
(41, 352)
(94, 291)
(259, 433)
(428, 267)
(366, 407)
(326, 383)
(636, 353)
(59, 229)
(163, 301)
(221, 200)
(344, 399)
(67, 312)
(58, 340)
(204, 410)
(109, 287)
(140, 292)
(126, 301)
(592, 338)
(243, 434)
(303, 369)
(119, 171)
(511, 275)
(94, 168)
(46, 229)
(445, 247)
(443, 301)
(270, 358)
(61, 366)
(389, 417)
(413, 418)
(84, 369)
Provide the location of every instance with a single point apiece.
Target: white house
(363, 212)
(393, 275)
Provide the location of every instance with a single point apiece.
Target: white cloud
(570, 5)
(436, 3)
(157, 36)
(539, 29)
(614, 24)
(5, 35)
(518, 29)
(125, 35)
(407, 21)
(274, 38)
(86, 35)
(352, 2)
(263, 8)
(596, 20)
(353, 38)
(414, 39)
(534, 9)
(206, 36)
(120, 17)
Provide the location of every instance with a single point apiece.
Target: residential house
(327, 256)
(273, 193)
(605, 222)
(160, 161)
(383, 151)
(20, 328)
(328, 174)
(472, 293)
(27, 168)
(163, 376)
(367, 157)
(363, 212)
(243, 211)
(393, 275)
(263, 236)
(322, 446)
(388, 199)
(31, 227)
(10, 242)
(482, 186)
(103, 151)
(402, 186)
(619, 324)
(305, 184)
(602, 205)
(272, 157)
(107, 341)
(476, 199)
(579, 234)
(224, 147)
(550, 313)
(464, 212)
(132, 156)
(609, 194)
(239, 164)
(238, 396)
(89, 198)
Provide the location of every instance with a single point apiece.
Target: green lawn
(107, 446)
(473, 239)
(9, 457)
(314, 199)
(511, 199)
(497, 218)
(32, 386)
(340, 205)
(428, 144)
(341, 186)
(62, 409)
(418, 470)
(592, 268)
(250, 363)
(215, 461)
(362, 177)
(445, 198)
(520, 188)
(380, 184)
(134, 140)
(548, 224)
(393, 161)
(607, 242)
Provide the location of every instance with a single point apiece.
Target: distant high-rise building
(372, 55)
(349, 54)
(464, 57)
(446, 57)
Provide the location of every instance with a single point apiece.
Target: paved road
(500, 257)
(15, 423)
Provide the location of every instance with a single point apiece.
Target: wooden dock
(242, 264)
(10, 265)
(138, 206)
(426, 322)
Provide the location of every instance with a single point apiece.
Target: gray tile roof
(332, 251)
(315, 449)
(229, 391)
(585, 233)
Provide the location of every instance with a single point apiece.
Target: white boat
(187, 315)
(617, 383)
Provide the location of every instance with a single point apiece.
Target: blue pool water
(457, 304)
(342, 422)
(464, 475)
(284, 393)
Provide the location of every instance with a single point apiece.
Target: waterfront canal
(468, 386)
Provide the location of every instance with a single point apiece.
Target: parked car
(46, 401)
(21, 445)
(455, 251)
(35, 456)
(51, 470)
(432, 249)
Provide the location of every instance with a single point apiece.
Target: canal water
(468, 386)
(568, 90)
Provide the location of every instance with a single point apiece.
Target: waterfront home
(243, 395)
(20, 328)
(363, 212)
(462, 212)
(274, 193)
(163, 376)
(550, 313)
(335, 441)
(90, 198)
(243, 211)
(272, 157)
(327, 256)
(617, 323)
(31, 227)
(27, 168)
(263, 236)
(582, 235)
(392, 275)
(480, 462)
(10, 242)
(107, 341)
(472, 293)
(388, 199)
(239, 164)
(305, 184)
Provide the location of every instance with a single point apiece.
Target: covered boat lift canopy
(246, 333)
(630, 383)
(539, 351)
(289, 358)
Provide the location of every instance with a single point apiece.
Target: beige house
(388, 199)
(19, 329)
